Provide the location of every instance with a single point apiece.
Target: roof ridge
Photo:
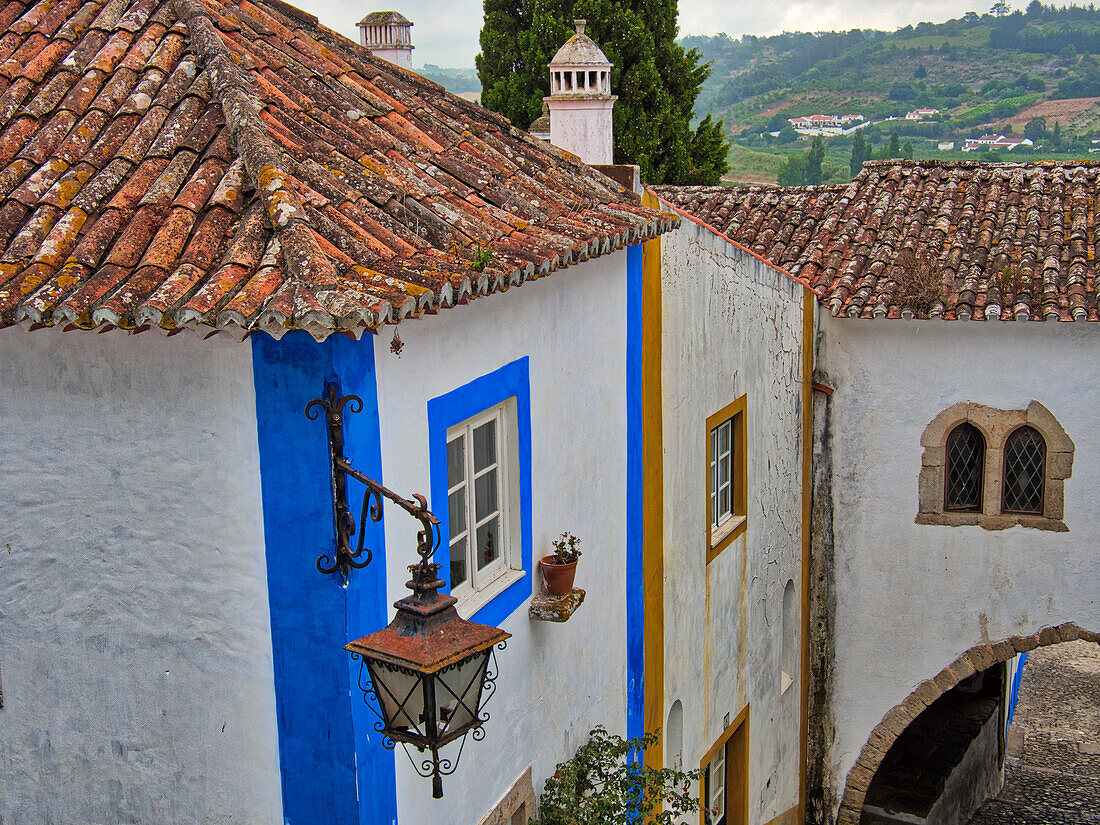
(305, 262)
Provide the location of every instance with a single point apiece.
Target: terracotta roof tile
(232, 165)
(1011, 241)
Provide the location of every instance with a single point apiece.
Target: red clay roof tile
(988, 241)
(235, 166)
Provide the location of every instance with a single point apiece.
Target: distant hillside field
(1033, 73)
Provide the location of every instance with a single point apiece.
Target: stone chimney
(386, 34)
(580, 99)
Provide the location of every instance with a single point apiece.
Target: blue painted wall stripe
(635, 606)
(320, 721)
(1014, 695)
(511, 380)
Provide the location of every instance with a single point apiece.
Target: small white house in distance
(921, 114)
(946, 145)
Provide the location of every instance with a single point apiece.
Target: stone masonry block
(848, 815)
(880, 740)
(860, 777)
(1089, 636)
(1003, 651)
(995, 424)
(1044, 421)
(963, 668)
(928, 691)
(935, 434)
(1023, 644)
(1060, 465)
(981, 656)
(1068, 631)
(853, 798)
(946, 680)
(1054, 502)
(930, 489)
(1049, 636)
(914, 705)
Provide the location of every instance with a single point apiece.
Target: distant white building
(921, 114)
(994, 142)
(946, 145)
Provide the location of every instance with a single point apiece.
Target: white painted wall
(583, 126)
(557, 681)
(732, 327)
(911, 598)
(134, 631)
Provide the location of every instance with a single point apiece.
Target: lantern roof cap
(427, 635)
(385, 18)
(580, 50)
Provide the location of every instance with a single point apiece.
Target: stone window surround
(995, 426)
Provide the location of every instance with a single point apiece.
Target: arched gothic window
(1024, 471)
(965, 460)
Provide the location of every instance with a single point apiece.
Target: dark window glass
(965, 458)
(1025, 466)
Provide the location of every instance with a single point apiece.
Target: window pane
(488, 542)
(965, 457)
(1025, 459)
(724, 438)
(485, 445)
(724, 503)
(485, 495)
(459, 572)
(457, 504)
(456, 461)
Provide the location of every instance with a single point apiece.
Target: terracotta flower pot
(559, 577)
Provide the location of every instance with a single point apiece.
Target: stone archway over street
(978, 658)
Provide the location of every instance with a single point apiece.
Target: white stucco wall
(911, 598)
(557, 681)
(732, 327)
(134, 631)
(583, 126)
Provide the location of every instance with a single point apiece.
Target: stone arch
(978, 658)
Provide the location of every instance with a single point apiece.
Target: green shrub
(605, 783)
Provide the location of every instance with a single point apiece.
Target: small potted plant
(560, 567)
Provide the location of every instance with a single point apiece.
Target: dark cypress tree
(859, 153)
(814, 159)
(657, 80)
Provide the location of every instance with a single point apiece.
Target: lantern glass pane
(458, 692)
(400, 696)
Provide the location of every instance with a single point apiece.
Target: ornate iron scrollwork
(345, 558)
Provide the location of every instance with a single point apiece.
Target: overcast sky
(445, 31)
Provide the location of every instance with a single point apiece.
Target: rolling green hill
(987, 73)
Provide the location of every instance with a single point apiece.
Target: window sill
(721, 538)
(546, 607)
(470, 603)
(1000, 521)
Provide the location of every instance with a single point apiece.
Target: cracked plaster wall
(911, 598)
(732, 327)
(134, 623)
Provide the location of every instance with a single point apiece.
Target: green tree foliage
(920, 73)
(859, 153)
(1056, 138)
(1036, 129)
(787, 134)
(657, 80)
(814, 159)
(605, 782)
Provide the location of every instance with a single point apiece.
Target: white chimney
(580, 99)
(386, 34)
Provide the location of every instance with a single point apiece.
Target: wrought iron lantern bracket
(347, 530)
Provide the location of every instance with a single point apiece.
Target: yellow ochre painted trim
(791, 816)
(732, 728)
(809, 303)
(653, 561)
(736, 408)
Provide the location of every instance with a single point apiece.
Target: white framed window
(721, 474)
(716, 788)
(482, 503)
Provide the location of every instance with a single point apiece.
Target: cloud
(446, 33)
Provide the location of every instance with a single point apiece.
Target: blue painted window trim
(635, 513)
(511, 380)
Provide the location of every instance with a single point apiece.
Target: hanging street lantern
(429, 671)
